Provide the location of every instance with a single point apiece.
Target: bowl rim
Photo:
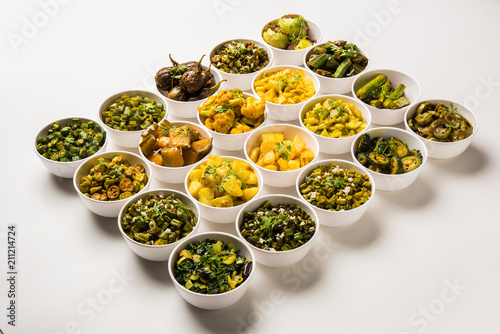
(201, 120)
(338, 162)
(294, 171)
(359, 77)
(423, 150)
(260, 44)
(138, 196)
(316, 26)
(260, 183)
(209, 235)
(115, 96)
(196, 125)
(147, 168)
(320, 98)
(217, 78)
(103, 146)
(308, 53)
(412, 108)
(275, 68)
(283, 198)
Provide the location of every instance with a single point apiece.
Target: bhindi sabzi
(336, 189)
(337, 59)
(71, 142)
(113, 179)
(387, 155)
(240, 57)
(211, 267)
(158, 220)
(437, 122)
(133, 113)
(277, 228)
(380, 93)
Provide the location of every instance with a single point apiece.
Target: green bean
(72, 142)
(335, 189)
(277, 228)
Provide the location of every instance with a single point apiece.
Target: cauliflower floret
(240, 128)
(253, 109)
(209, 123)
(223, 121)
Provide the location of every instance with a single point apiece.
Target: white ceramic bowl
(176, 174)
(293, 57)
(389, 116)
(336, 218)
(396, 181)
(278, 258)
(215, 301)
(221, 215)
(335, 85)
(241, 81)
(127, 139)
(286, 112)
(335, 145)
(161, 252)
(108, 208)
(231, 142)
(65, 169)
(187, 109)
(280, 178)
(444, 150)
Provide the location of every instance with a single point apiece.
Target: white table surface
(422, 260)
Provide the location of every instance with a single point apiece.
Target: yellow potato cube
(298, 145)
(274, 137)
(251, 178)
(266, 146)
(271, 167)
(283, 164)
(269, 158)
(294, 164)
(206, 195)
(223, 201)
(195, 175)
(194, 188)
(249, 193)
(214, 160)
(233, 187)
(254, 154)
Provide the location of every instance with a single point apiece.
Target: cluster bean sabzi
(380, 94)
(211, 267)
(240, 57)
(335, 119)
(289, 32)
(335, 189)
(133, 113)
(279, 154)
(337, 59)
(71, 142)
(187, 81)
(229, 111)
(387, 155)
(277, 228)
(220, 183)
(287, 86)
(173, 146)
(158, 220)
(113, 179)
(437, 122)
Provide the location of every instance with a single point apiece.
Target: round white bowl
(127, 139)
(445, 150)
(335, 85)
(396, 181)
(336, 218)
(176, 174)
(187, 109)
(221, 215)
(388, 116)
(241, 81)
(216, 301)
(161, 252)
(280, 178)
(108, 208)
(278, 258)
(66, 169)
(286, 112)
(335, 145)
(293, 57)
(231, 142)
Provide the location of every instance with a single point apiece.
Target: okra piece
(320, 61)
(368, 89)
(342, 69)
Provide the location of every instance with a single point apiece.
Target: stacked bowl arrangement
(254, 137)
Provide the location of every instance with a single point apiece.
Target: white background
(389, 273)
